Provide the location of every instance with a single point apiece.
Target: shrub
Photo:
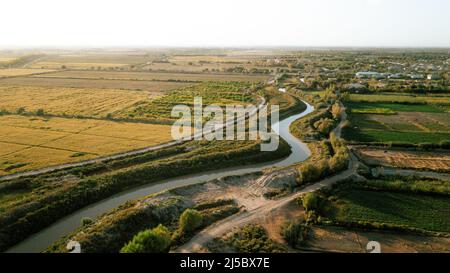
(311, 201)
(190, 220)
(155, 240)
(40, 112)
(253, 239)
(336, 110)
(20, 110)
(295, 233)
(308, 173)
(86, 221)
(324, 125)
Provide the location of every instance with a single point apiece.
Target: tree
(311, 201)
(190, 220)
(155, 240)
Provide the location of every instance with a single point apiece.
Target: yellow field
(31, 142)
(206, 58)
(152, 76)
(151, 86)
(70, 101)
(21, 71)
(58, 65)
(6, 59)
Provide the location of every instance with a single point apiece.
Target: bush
(20, 110)
(311, 201)
(40, 112)
(155, 240)
(86, 221)
(295, 233)
(190, 220)
(324, 126)
(253, 239)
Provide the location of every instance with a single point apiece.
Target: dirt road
(238, 220)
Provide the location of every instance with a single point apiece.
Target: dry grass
(58, 65)
(40, 142)
(407, 159)
(206, 58)
(9, 72)
(151, 86)
(70, 101)
(6, 59)
(154, 76)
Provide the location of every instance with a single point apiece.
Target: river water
(44, 238)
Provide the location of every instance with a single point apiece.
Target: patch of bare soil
(437, 161)
(341, 240)
(273, 221)
(416, 121)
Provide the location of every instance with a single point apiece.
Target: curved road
(41, 240)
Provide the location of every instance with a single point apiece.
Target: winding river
(44, 238)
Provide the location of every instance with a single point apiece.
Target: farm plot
(154, 76)
(67, 65)
(211, 93)
(90, 60)
(391, 108)
(12, 72)
(151, 86)
(437, 161)
(400, 209)
(186, 67)
(397, 123)
(69, 101)
(36, 142)
(6, 59)
(441, 99)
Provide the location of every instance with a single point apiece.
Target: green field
(397, 123)
(412, 210)
(367, 131)
(441, 99)
(391, 108)
(211, 93)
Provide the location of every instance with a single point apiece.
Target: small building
(397, 76)
(416, 76)
(433, 77)
(283, 90)
(369, 74)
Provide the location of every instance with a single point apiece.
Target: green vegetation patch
(404, 209)
(391, 108)
(363, 128)
(402, 98)
(252, 239)
(211, 93)
(369, 135)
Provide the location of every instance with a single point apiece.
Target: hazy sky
(413, 23)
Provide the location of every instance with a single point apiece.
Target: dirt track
(238, 220)
(197, 243)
